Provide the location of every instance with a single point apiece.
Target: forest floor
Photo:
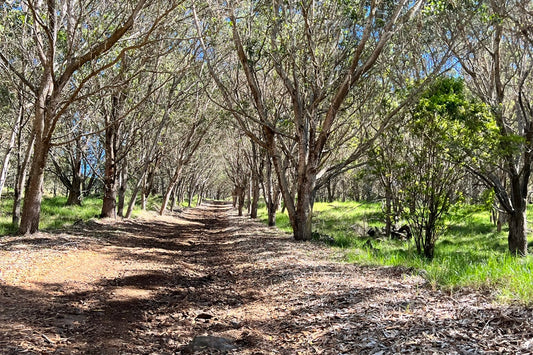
(206, 281)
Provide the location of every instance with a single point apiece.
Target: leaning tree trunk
(170, 188)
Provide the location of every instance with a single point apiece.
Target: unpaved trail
(149, 286)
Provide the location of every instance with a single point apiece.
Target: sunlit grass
(471, 253)
(55, 214)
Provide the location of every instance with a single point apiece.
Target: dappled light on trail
(208, 280)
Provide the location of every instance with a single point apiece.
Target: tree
(495, 55)
(72, 43)
(317, 54)
(430, 178)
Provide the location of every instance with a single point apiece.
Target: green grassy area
(55, 214)
(471, 253)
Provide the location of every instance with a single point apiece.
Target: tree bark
(302, 223)
(122, 188)
(171, 184)
(75, 193)
(7, 156)
(388, 210)
(517, 219)
(112, 132)
(517, 237)
(271, 192)
(255, 196)
(22, 169)
(31, 209)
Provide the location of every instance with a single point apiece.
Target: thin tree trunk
(7, 156)
(172, 183)
(22, 169)
(122, 188)
(388, 211)
(255, 196)
(173, 199)
(271, 192)
(109, 203)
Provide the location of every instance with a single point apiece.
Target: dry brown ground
(149, 286)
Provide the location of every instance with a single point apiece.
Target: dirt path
(151, 286)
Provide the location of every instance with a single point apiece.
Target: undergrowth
(471, 253)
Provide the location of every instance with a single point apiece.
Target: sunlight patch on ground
(36, 269)
(128, 293)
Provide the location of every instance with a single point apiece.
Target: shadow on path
(158, 283)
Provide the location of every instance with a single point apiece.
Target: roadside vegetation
(57, 214)
(471, 253)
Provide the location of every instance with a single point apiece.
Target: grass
(55, 214)
(471, 253)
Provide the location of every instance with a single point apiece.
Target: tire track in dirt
(151, 285)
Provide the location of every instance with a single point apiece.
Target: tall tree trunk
(109, 203)
(173, 199)
(31, 209)
(517, 237)
(22, 169)
(7, 156)
(110, 187)
(200, 192)
(241, 199)
(255, 196)
(171, 184)
(388, 210)
(191, 193)
(122, 188)
(329, 190)
(144, 198)
(75, 193)
(234, 196)
(517, 219)
(303, 215)
(271, 192)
